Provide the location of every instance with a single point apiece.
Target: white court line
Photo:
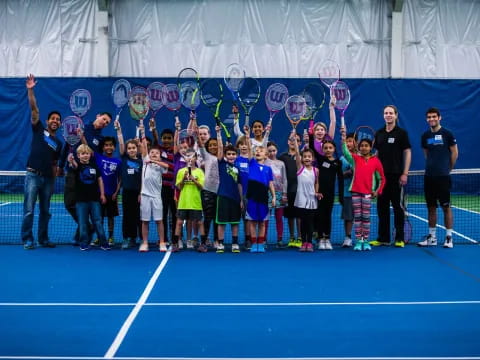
(466, 210)
(246, 304)
(244, 358)
(7, 203)
(138, 306)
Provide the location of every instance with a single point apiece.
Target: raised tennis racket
(295, 109)
(234, 77)
(364, 132)
(314, 95)
(342, 94)
(156, 96)
(211, 94)
(80, 102)
(139, 104)
(120, 94)
(407, 225)
(275, 99)
(188, 81)
(72, 127)
(329, 73)
(248, 95)
(171, 96)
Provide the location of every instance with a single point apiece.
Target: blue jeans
(41, 187)
(92, 210)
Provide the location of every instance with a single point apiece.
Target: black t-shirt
(328, 172)
(45, 150)
(438, 146)
(131, 173)
(390, 146)
(86, 185)
(291, 170)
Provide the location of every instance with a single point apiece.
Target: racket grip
(342, 121)
(310, 126)
(247, 120)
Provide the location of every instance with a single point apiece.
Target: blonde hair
(322, 124)
(84, 149)
(241, 140)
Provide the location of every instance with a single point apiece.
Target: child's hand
(319, 196)
(374, 194)
(333, 101)
(306, 138)
(103, 199)
(116, 125)
(151, 124)
(273, 201)
(246, 129)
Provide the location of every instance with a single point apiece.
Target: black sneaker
(281, 245)
(47, 244)
(248, 245)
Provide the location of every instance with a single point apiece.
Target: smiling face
(328, 149)
(390, 115)
(167, 140)
(230, 156)
(53, 122)
(154, 154)
(132, 149)
(84, 156)
(102, 121)
(350, 144)
(108, 148)
(212, 147)
(433, 119)
(203, 134)
(257, 129)
(307, 157)
(364, 147)
(319, 132)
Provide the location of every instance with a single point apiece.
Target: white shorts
(151, 207)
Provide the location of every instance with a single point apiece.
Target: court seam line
(112, 350)
(450, 265)
(466, 210)
(246, 358)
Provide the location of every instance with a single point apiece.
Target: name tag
(326, 164)
(391, 140)
(164, 154)
(243, 165)
(46, 133)
(130, 171)
(438, 138)
(93, 171)
(96, 142)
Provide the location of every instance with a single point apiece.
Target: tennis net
(465, 207)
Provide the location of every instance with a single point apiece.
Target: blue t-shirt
(242, 164)
(259, 177)
(131, 173)
(347, 179)
(110, 171)
(229, 180)
(93, 136)
(45, 150)
(438, 146)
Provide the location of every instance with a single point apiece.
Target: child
(131, 182)
(110, 171)
(89, 193)
(307, 196)
(151, 193)
(280, 185)
(347, 208)
(366, 168)
(241, 162)
(319, 132)
(189, 181)
(260, 182)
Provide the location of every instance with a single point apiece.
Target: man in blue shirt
(441, 152)
(41, 171)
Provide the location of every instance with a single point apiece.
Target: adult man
(41, 171)
(441, 153)
(394, 152)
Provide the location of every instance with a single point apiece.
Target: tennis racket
(171, 96)
(407, 225)
(248, 95)
(364, 132)
(120, 94)
(139, 104)
(156, 96)
(211, 94)
(329, 73)
(342, 94)
(70, 130)
(234, 77)
(80, 102)
(314, 95)
(188, 84)
(275, 99)
(295, 109)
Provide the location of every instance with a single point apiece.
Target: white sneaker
(162, 247)
(347, 242)
(448, 242)
(321, 244)
(189, 244)
(328, 245)
(220, 248)
(180, 244)
(429, 241)
(143, 247)
(235, 248)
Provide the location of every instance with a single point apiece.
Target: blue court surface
(389, 303)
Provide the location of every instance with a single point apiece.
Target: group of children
(219, 184)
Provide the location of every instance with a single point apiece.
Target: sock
(254, 239)
(449, 232)
(234, 239)
(432, 231)
(220, 241)
(261, 239)
(175, 239)
(349, 236)
(248, 238)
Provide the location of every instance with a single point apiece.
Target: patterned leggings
(361, 215)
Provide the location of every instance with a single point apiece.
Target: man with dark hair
(41, 171)
(441, 152)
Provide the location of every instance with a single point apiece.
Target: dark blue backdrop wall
(458, 101)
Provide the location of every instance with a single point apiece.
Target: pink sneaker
(304, 247)
(309, 247)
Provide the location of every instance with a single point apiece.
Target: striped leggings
(361, 215)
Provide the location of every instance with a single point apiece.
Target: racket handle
(117, 118)
(310, 126)
(342, 121)
(247, 119)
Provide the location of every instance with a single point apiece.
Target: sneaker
(111, 241)
(235, 248)
(358, 246)
(203, 248)
(143, 247)
(281, 245)
(321, 244)
(47, 244)
(125, 244)
(448, 242)
(106, 246)
(248, 245)
(298, 242)
(28, 245)
(366, 246)
(303, 248)
(309, 247)
(220, 248)
(378, 243)
(84, 247)
(347, 242)
(261, 248)
(328, 245)
(162, 247)
(399, 243)
(180, 244)
(429, 240)
(95, 242)
(174, 248)
(292, 242)
(254, 248)
(190, 244)
(195, 242)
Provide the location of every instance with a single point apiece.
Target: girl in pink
(368, 181)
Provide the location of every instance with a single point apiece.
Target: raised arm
(153, 130)
(298, 158)
(121, 142)
(219, 143)
(30, 84)
(246, 128)
(333, 117)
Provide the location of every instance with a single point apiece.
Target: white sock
(432, 231)
(449, 232)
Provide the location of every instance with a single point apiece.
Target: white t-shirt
(305, 197)
(152, 178)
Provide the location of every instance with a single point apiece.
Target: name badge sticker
(130, 171)
(326, 164)
(93, 171)
(391, 140)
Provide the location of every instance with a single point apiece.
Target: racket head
(70, 126)
(120, 92)
(234, 76)
(249, 94)
(186, 140)
(156, 95)
(295, 109)
(80, 102)
(407, 231)
(314, 95)
(329, 72)
(189, 94)
(187, 74)
(138, 103)
(211, 94)
(342, 94)
(171, 96)
(275, 97)
(364, 132)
